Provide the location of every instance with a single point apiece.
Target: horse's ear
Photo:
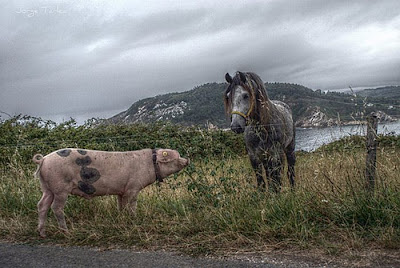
(228, 78)
(242, 77)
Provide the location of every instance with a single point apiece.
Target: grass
(213, 207)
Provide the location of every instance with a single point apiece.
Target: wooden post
(372, 129)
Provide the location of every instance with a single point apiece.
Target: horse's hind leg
(291, 160)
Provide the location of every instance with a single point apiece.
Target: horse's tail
(38, 159)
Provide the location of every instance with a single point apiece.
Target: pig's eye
(165, 153)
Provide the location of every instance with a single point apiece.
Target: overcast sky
(81, 59)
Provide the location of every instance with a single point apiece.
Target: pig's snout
(184, 161)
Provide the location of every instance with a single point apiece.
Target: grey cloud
(96, 58)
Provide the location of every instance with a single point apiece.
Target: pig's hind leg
(58, 209)
(43, 207)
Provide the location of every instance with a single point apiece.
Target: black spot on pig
(67, 179)
(83, 161)
(86, 187)
(64, 153)
(82, 152)
(89, 175)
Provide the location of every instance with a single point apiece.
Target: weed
(213, 205)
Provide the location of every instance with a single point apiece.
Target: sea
(309, 139)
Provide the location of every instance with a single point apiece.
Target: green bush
(25, 136)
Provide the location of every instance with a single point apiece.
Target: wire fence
(198, 144)
(307, 139)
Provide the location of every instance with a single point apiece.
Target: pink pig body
(90, 173)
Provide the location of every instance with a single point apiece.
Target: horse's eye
(245, 96)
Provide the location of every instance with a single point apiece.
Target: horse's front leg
(257, 167)
(273, 167)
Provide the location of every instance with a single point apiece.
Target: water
(311, 138)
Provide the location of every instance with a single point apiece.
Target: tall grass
(213, 205)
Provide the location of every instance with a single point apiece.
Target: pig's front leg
(133, 204)
(120, 203)
(128, 201)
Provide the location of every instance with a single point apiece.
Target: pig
(90, 173)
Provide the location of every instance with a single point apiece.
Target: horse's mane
(255, 86)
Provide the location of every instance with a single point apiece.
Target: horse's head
(239, 100)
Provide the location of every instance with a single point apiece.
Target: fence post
(372, 129)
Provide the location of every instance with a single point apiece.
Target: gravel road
(24, 255)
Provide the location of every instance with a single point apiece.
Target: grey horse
(268, 127)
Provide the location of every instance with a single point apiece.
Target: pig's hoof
(65, 232)
(42, 234)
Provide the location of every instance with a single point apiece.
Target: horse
(268, 128)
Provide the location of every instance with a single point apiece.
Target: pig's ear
(165, 156)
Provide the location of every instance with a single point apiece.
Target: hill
(381, 92)
(199, 106)
(203, 105)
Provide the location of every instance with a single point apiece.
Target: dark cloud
(82, 59)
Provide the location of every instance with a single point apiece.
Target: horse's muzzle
(237, 128)
(238, 123)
